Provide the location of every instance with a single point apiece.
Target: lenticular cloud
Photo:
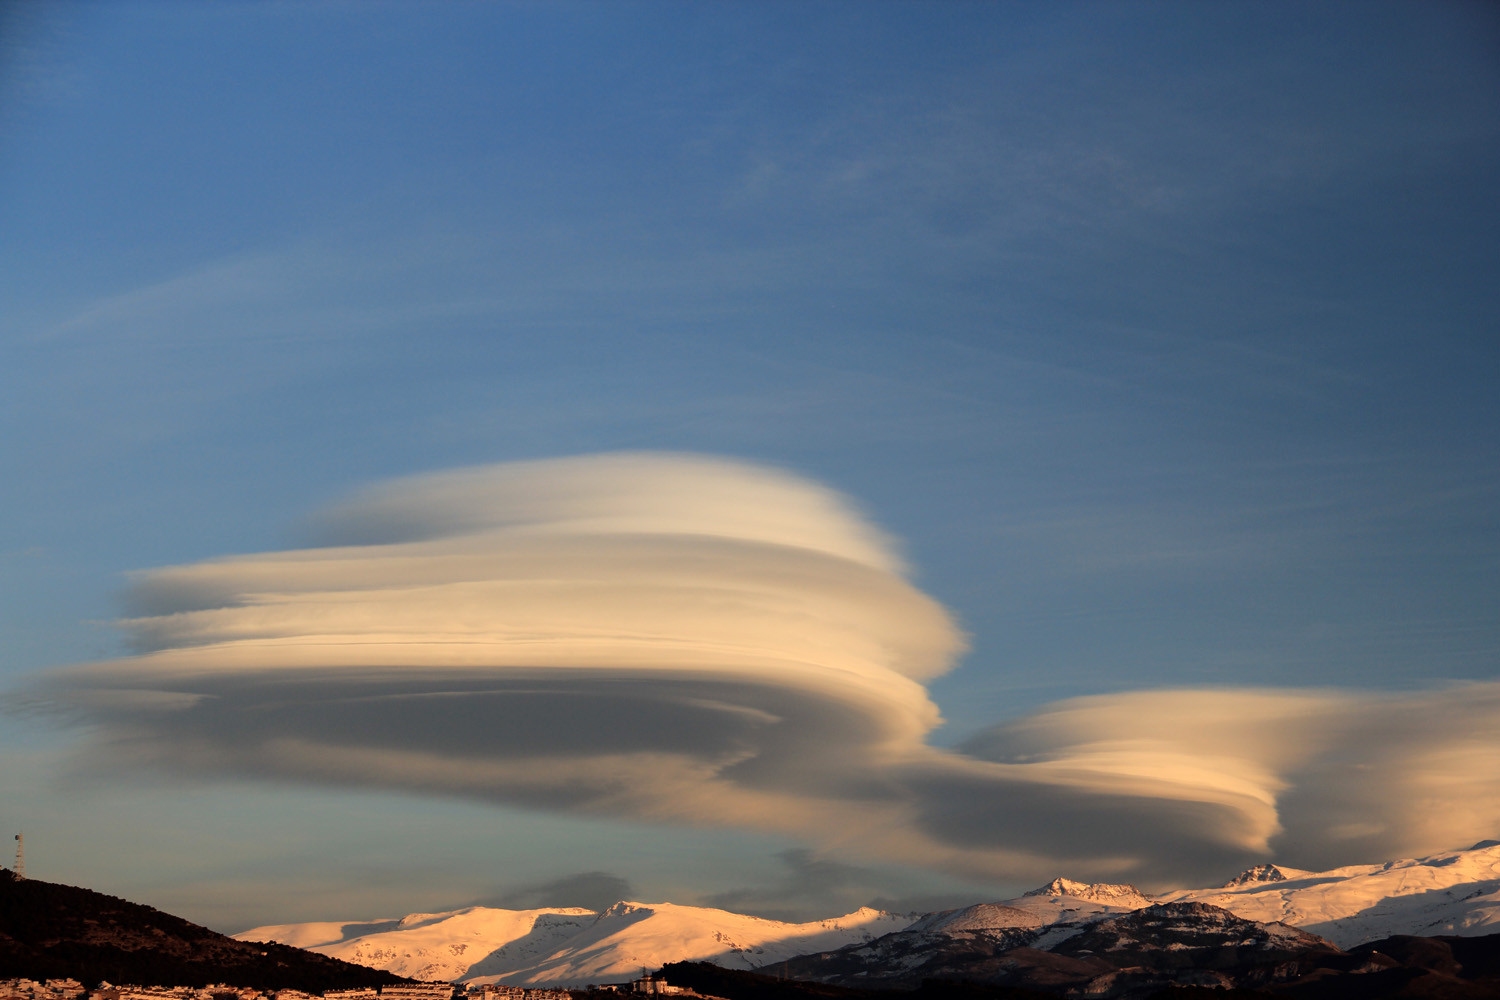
(659, 635)
(692, 640)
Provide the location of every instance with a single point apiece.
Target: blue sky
(1161, 338)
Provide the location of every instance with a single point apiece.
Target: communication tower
(20, 857)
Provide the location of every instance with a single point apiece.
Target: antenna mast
(20, 857)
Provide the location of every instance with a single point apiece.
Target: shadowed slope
(50, 931)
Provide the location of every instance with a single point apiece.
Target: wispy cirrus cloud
(692, 640)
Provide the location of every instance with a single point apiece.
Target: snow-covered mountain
(573, 946)
(1457, 892)
(1060, 902)
(1264, 873)
(1104, 893)
(1058, 936)
(1454, 893)
(436, 946)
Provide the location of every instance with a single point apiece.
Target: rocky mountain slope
(1453, 893)
(54, 931)
(1169, 936)
(1406, 968)
(1174, 947)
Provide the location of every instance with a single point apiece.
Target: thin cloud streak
(691, 640)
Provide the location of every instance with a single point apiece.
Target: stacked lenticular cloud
(695, 640)
(631, 632)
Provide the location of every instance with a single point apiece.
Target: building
(361, 993)
(658, 986)
(499, 991)
(417, 991)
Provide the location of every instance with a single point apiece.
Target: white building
(416, 991)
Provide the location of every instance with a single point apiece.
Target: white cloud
(1313, 778)
(685, 639)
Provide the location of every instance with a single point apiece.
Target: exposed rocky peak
(1167, 922)
(1097, 892)
(1256, 873)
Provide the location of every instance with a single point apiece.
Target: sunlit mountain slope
(535, 947)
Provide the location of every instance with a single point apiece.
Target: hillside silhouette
(53, 931)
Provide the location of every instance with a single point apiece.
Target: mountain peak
(1098, 892)
(1256, 873)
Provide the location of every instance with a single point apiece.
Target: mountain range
(1453, 894)
(568, 946)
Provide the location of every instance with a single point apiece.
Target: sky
(780, 456)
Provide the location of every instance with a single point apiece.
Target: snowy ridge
(1095, 892)
(1264, 873)
(1456, 892)
(1060, 903)
(979, 917)
(433, 946)
(573, 946)
(1267, 910)
(1453, 893)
